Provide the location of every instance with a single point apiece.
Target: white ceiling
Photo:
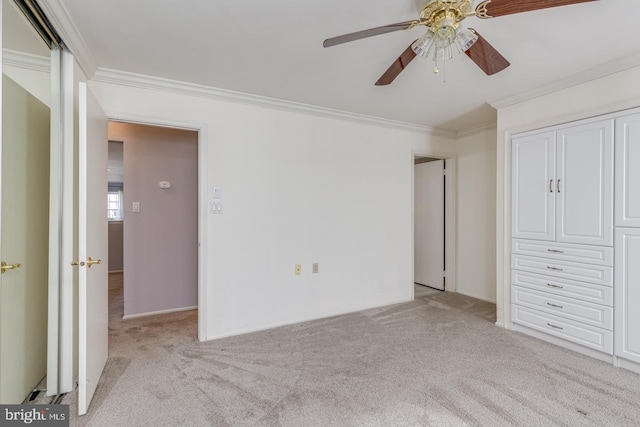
(274, 48)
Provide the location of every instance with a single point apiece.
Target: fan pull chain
(444, 69)
(436, 70)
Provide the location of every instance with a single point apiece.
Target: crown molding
(71, 38)
(26, 60)
(476, 129)
(140, 81)
(603, 70)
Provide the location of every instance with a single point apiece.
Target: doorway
(158, 199)
(430, 223)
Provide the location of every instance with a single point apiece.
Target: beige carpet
(436, 361)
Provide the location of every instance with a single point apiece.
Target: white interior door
(24, 232)
(92, 246)
(429, 224)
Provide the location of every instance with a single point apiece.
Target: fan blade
(368, 33)
(492, 8)
(396, 68)
(486, 56)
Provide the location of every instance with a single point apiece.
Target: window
(115, 204)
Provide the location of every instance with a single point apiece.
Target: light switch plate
(215, 207)
(136, 206)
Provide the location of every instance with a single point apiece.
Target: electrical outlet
(298, 270)
(315, 267)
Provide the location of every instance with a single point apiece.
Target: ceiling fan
(443, 21)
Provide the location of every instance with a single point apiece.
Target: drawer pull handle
(550, 186)
(553, 305)
(555, 251)
(555, 286)
(554, 268)
(554, 326)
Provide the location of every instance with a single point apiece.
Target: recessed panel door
(92, 246)
(627, 152)
(533, 186)
(584, 172)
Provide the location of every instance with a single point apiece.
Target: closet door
(627, 171)
(584, 186)
(533, 186)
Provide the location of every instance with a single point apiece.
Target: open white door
(429, 224)
(92, 247)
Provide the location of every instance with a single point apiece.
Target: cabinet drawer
(600, 275)
(580, 311)
(583, 291)
(599, 255)
(579, 333)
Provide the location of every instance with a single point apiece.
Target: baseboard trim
(307, 319)
(154, 313)
(475, 296)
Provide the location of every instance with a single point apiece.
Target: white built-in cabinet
(563, 184)
(627, 242)
(575, 218)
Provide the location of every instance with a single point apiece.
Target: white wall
(297, 188)
(476, 272)
(612, 93)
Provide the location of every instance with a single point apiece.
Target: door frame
(202, 131)
(450, 214)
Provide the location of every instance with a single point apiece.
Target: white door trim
(202, 200)
(451, 218)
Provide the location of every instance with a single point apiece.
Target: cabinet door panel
(627, 171)
(578, 332)
(584, 170)
(564, 287)
(589, 254)
(627, 293)
(533, 186)
(591, 273)
(569, 308)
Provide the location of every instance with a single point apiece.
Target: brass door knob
(4, 266)
(91, 262)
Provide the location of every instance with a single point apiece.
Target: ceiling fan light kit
(443, 21)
